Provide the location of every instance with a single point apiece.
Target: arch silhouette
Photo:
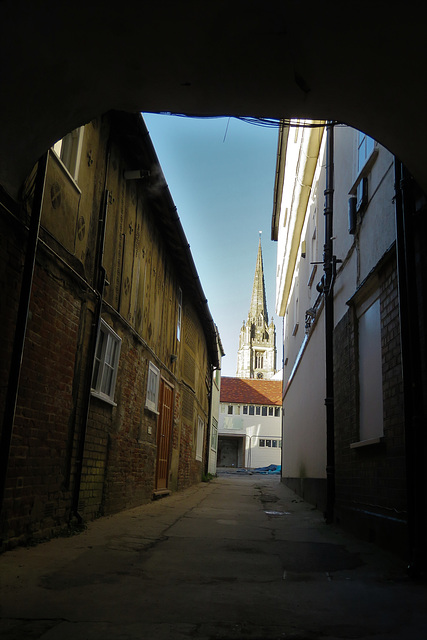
(65, 63)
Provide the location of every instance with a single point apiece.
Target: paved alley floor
(239, 558)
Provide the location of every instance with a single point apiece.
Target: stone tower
(256, 357)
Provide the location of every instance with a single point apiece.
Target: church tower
(256, 357)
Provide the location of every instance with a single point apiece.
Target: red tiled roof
(251, 391)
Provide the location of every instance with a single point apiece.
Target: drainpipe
(21, 324)
(99, 277)
(406, 231)
(328, 282)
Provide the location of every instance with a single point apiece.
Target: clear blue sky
(220, 173)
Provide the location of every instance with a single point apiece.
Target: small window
(271, 411)
(214, 434)
(365, 146)
(251, 410)
(268, 443)
(179, 319)
(264, 411)
(274, 444)
(230, 410)
(69, 149)
(277, 412)
(199, 442)
(262, 443)
(245, 409)
(258, 411)
(153, 383)
(280, 444)
(106, 363)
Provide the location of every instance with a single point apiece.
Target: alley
(241, 557)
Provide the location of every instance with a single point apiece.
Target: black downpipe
(99, 278)
(21, 324)
(328, 282)
(408, 267)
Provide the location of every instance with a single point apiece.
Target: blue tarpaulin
(271, 469)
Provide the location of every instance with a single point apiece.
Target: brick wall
(370, 480)
(37, 499)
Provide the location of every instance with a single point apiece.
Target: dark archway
(65, 63)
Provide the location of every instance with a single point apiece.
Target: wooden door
(164, 433)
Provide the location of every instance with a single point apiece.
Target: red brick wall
(37, 499)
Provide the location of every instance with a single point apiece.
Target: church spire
(256, 357)
(259, 301)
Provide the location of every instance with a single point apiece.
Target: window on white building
(214, 434)
(251, 410)
(365, 147)
(230, 410)
(245, 409)
(264, 411)
(262, 442)
(258, 411)
(271, 411)
(106, 363)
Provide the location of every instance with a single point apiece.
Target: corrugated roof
(251, 391)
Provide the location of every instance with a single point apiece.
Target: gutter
(329, 263)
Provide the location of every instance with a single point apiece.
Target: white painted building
(343, 444)
(249, 430)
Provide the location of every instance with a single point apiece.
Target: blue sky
(220, 173)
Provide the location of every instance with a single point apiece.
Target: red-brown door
(164, 432)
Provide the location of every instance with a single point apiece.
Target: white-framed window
(277, 412)
(251, 410)
(264, 411)
(214, 434)
(261, 442)
(199, 441)
(153, 384)
(245, 409)
(258, 411)
(69, 150)
(106, 363)
(365, 147)
(270, 411)
(179, 319)
(230, 410)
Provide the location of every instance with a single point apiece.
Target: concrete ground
(239, 558)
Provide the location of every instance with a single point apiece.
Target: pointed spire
(259, 300)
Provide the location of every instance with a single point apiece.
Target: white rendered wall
(304, 419)
(253, 428)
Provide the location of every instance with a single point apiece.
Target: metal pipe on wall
(328, 281)
(409, 231)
